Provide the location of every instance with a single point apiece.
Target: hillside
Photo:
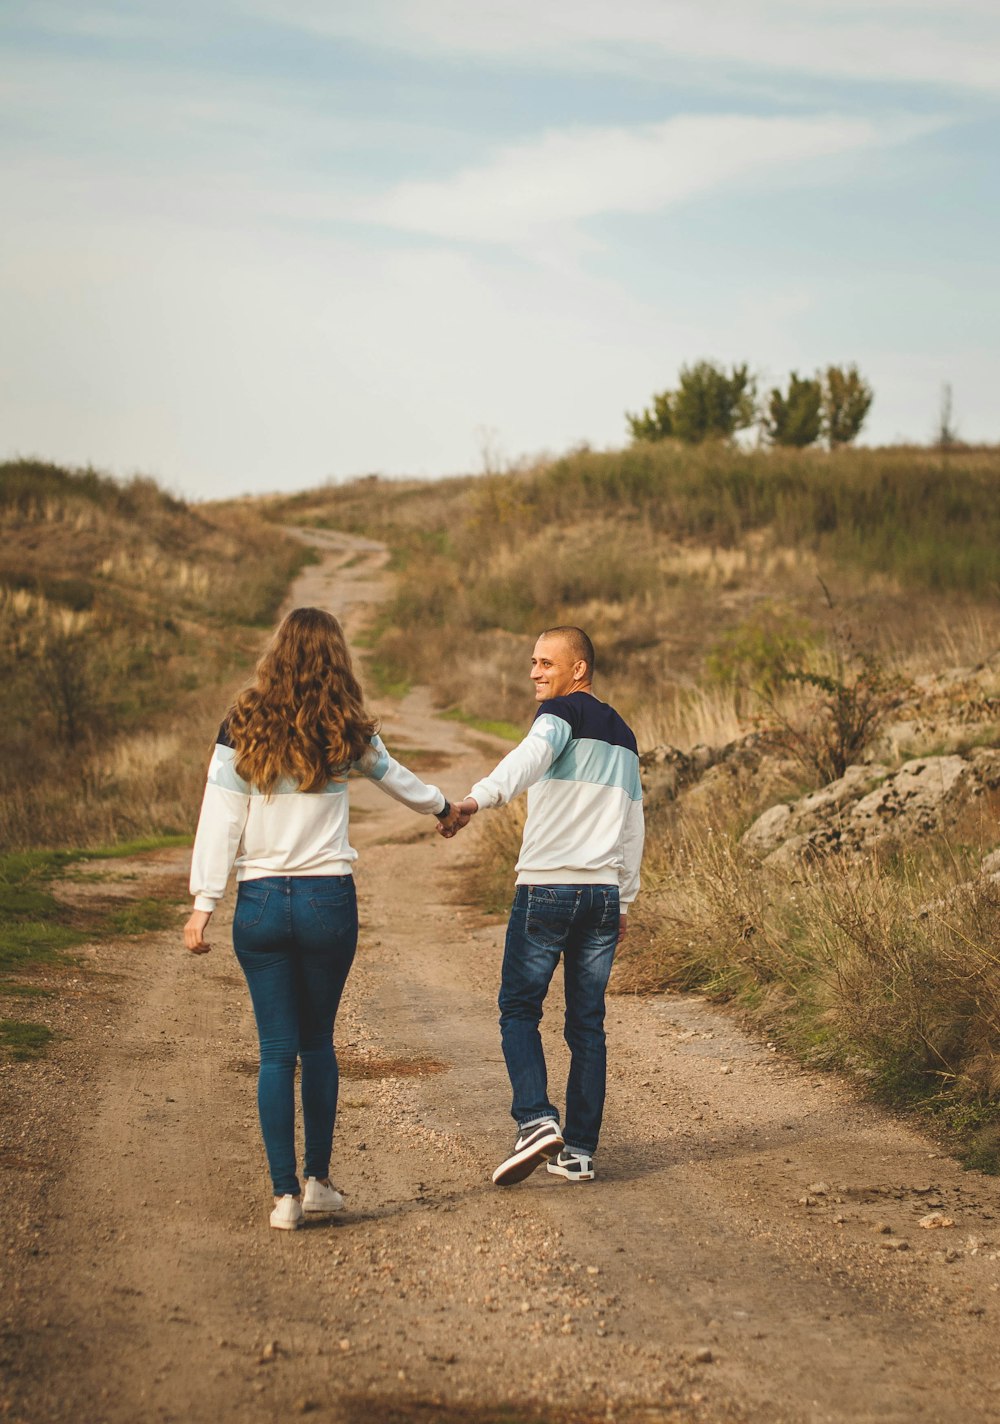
(123, 614)
(767, 621)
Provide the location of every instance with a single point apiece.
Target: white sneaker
(287, 1213)
(574, 1166)
(321, 1197)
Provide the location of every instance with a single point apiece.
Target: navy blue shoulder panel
(590, 718)
(565, 707)
(224, 739)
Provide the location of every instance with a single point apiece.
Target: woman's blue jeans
(295, 938)
(579, 922)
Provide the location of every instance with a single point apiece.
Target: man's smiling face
(554, 670)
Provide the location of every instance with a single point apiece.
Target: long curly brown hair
(302, 714)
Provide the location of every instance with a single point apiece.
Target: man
(577, 874)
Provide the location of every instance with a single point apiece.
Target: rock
(913, 800)
(667, 771)
(815, 817)
(868, 803)
(934, 1221)
(769, 831)
(704, 1356)
(269, 1352)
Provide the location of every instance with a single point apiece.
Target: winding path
(729, 1264)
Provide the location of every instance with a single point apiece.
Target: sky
(254, 245)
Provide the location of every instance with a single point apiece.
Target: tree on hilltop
(709, 404)
(795, 418)
(847, 397)
(656, 422)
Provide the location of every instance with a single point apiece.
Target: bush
(708, 405)
(796, 418)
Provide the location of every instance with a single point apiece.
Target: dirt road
(755, 1248)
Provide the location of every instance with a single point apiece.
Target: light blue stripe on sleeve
(555, 730)
(381, 765)
(222, 771)
(599, 764)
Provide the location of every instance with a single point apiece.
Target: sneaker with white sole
(320, 1196)
(534, 1146)
(574, 1166)
(287, 1213)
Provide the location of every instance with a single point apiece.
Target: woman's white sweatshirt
(288, 832)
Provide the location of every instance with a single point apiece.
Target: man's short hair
(580, 646)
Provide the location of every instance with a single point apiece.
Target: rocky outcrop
(667, 771)
(869, 803)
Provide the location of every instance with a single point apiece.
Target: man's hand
(194, 931)
(448, 822)
(622, 927)
(462, 813)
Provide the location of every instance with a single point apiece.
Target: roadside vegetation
(794, 596)
(123, 613)
(41, 930)
(127, 618)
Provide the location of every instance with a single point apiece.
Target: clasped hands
(459, 816)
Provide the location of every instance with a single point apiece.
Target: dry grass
(662, 552)
(706, 577)
(126, 619)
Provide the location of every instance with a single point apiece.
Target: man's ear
(579, 670)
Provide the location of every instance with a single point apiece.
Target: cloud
(950, 43)
(569, 175)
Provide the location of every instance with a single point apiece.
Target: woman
(276, 804)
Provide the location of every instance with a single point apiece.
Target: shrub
(796, 418)
(709, 404)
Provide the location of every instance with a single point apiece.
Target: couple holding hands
(276, 805)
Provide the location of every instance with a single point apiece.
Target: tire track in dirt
(736, 1216)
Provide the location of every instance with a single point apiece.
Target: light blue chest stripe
(222, 772)
(599, 764)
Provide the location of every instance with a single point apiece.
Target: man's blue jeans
(295, 938)
(579, 922)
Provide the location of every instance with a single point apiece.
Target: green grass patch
(386, 680)
(24, 1041)
(139, 916)
(37, 930)
(32, 944)
(509, 731)
(982, 1153)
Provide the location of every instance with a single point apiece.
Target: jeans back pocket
(548, 916)
(250, 906)
(335, 912)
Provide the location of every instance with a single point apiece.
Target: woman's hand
(194, 931)
(461, 814)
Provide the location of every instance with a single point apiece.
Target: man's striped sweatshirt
(580, 767)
